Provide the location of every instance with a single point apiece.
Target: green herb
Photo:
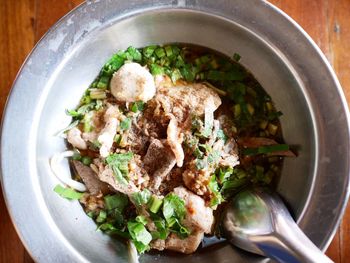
(232, 184)
(137, 106)
(117, 201)
(200, 164)
(216, 195)
(76, 156)
(221, 135)
(236, 57)
(86, 160)
(173, 208)
(101, 217)
(70, 126)
(125, 124)
(109, 228)
(118, 162)
(67, 193)
(141, 198)
(265, 149)
(163, 231)
(214, 157)
(224, 174)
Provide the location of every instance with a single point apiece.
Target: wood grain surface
(23, 22)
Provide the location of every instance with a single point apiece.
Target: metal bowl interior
(279, 54)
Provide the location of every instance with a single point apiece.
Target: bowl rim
(9, 109)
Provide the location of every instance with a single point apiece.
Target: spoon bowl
(258, 221)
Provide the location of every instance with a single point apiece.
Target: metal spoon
(259, 222)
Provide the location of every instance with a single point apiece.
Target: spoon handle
(289, 244)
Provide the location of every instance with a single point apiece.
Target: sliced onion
(64, 177)
(133, 255)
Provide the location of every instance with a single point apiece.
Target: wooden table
(23, 22)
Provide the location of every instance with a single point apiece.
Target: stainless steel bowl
(273, 47)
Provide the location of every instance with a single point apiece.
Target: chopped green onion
(137, 106)
(160, 52)
(103, 82)
(156, 69)
(101, 217)
(155, 204)
(266, 149)
(141, 219)
(117, 201)
(173, 207)
(141, 198)
(148, 51)
(125, 124)
(236, 57)
(86, 160)
(168, 51)
(67, 193)
(139, 233)
(98, 94)
(134, 53)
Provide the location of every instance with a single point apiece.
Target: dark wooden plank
(17, 39)
(49, 12)
(339, 21)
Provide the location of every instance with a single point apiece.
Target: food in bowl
(162, 138)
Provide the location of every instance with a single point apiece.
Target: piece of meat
(175, 139)
(197, 180)
(132, 82)
(92, 203)
(187, 245)
(185, 99)
(158, 161)
(198, 216)
(75, 139)
(107, 134)
(158, 244)
(229, 155)
(137, 139)
(90, 179)
(106, 175)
